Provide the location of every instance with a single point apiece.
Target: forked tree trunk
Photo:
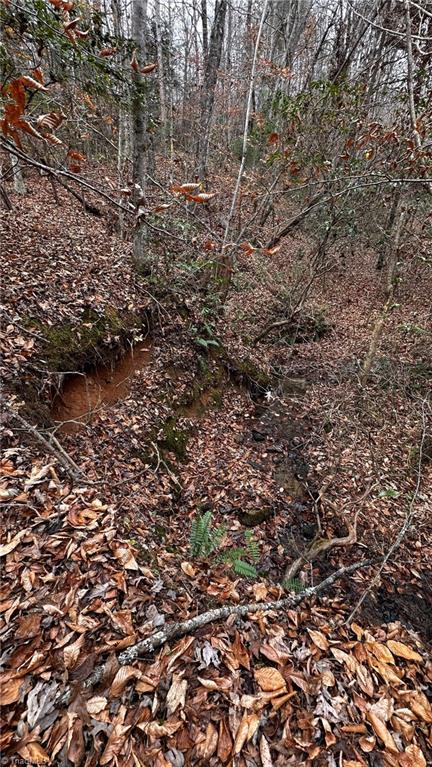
(390, 289)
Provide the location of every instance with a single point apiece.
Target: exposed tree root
(319, 545)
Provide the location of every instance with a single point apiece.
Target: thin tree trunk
(210, 81)
(161, 79)
(18, 178)
(379, 325)
(141, 143)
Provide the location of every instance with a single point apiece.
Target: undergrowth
(206, 540)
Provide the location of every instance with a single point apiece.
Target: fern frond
(245, 569)
(293, 585)
(253, 551)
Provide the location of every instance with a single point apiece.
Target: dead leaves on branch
(147, 69)
(191, 192)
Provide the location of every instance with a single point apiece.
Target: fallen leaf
(96, 704)
(381, 731)
(122, 677)
(319, 639)
(270, 679)
(176, 694)
(403, 651)
(188, 569)
(412, 757)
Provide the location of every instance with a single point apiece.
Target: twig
(51, 444)
(320, 545)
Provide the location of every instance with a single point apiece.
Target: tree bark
(141, 140)
(210, 80)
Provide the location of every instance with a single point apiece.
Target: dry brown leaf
(10, 691)
(179, 649)
(34, 753)
(412, 757)
(8, 547)
(157, 730)
(365, 680)
(343, 657)
(124, 555)
(219, 683)
(367, 743)
(72, 651)
(115, 743)
(202, 197)
(403, 651)
(188, 569)
(278, 702)
(381, 731)
(208, 746)
(246, 730)
(240, 653)
(122, 677)
(225, 743)
(328, 678)
(260, 591)
(96, 704)
(421, 706)
(319, 639)
(28, 626)
(381, 652)
(148, 68)
(270, 679)
(186, 188)
(406, 728)
(387, 672)
(176, 694)
(266, 760)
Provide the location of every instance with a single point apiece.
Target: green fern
(206, 539)
(252, 547)
(245, 569)
(293, 584)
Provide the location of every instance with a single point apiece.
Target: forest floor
(276, 437)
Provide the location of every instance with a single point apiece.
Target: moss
(76, 346)
(174, 439)
(254, 517)
(160, 532)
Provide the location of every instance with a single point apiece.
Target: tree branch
(180, 629)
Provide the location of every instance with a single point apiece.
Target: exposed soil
(83, 394)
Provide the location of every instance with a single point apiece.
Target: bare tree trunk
(379, 325)
(161, 80)
(18, 178)
(141, 140)
(204, 22)
(210, 79)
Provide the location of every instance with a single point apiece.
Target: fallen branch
(180, 629)
(53, 446)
